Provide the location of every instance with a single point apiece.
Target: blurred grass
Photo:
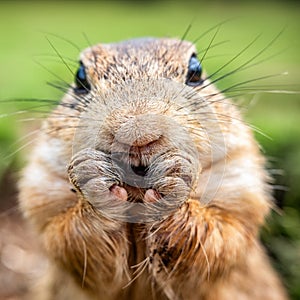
(24, 26)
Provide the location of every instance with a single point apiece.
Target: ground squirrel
(145, 183)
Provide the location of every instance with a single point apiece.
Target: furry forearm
(199, 243)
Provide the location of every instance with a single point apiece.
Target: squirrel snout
(139, 131)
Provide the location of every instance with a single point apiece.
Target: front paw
(171, 177)
(97, 179)
(89, 165)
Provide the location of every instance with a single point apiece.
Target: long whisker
(60, 56)
(32, 141)
(52, 73)
(233, 87)
(54, 58)
(188, 29)
(210, 43)
(140, 268)
(63, 39)
(65, 63)
(211, 29)
(234, 58)
(245, 64)
(84, 263)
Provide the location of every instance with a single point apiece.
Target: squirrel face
(144, 102)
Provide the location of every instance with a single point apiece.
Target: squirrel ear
(193, 77)
(81, 81)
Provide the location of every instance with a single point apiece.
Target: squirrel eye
(194, 74)
(82, 84)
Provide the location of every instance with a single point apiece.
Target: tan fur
(191, 231)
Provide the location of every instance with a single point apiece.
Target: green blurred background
(25, 28)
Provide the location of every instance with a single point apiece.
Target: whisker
(210, 29)
(54, 58)
(20, 148)
(263, 60)
(59, 86)
(234, 58)
(6, 115)
(37, 137)
(65, 63)
(52, 73)
(217, 114)
(23, 138)
(245, 64)
(139, 271)
(60, 56)
(28, 100)
(84, 263)
(63, 39)
(233, 87)
(187, 31)
(205, 50)
(210, 43)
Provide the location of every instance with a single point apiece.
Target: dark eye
(193, 77)
(82, 84)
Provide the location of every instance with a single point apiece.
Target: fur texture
(144, 187)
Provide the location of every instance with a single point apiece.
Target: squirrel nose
(139, 131)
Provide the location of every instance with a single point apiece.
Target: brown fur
(190, 231)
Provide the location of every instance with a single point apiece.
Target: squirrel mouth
(140, 170)
(133, 172)
(132, 164)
